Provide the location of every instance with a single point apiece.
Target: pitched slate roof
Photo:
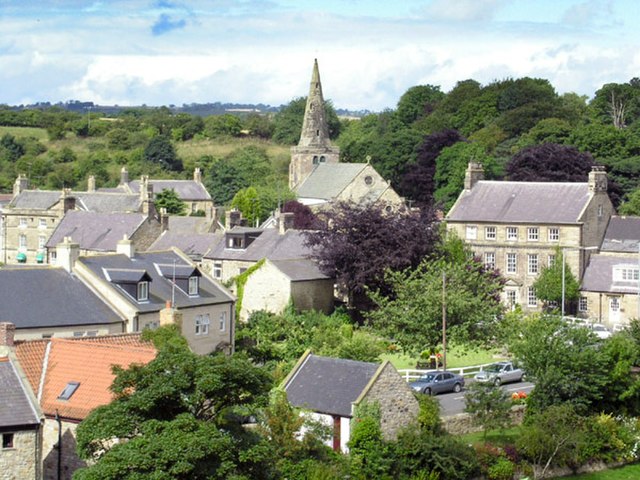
(300, 269)
(160, 287)
(186, 189)
(50, 297)
(328, 180)
(37, 199)
(328, 385)
(96, 231)
(598, 276)
(269, 244)
(16, 408)
(104, 202)
(195, 246)
(622, 235)
(521, 202)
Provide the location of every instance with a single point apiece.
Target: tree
(548, 285)
(488, 405)
(632, 205)
(417, 102)
(247, 201)
(160, 150)
(549, 162)
(356, 244)
(303, 217)
(175, 417)
(222, 125)
(411, 312)
(169, 200)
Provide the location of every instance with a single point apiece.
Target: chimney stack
(598, 179)
(7, 334)
(164, 219)
(473, 174)
(197, 175)
(91, 184)
(233, 218)
(124, 176)
(285, 222)
(21, 184)
(67, 252)
(125, 247)
(170, 315)
(68, 201)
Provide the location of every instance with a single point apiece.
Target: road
(453, 403)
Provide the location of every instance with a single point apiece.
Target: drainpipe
(59, 444)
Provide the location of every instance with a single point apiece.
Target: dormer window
(234, 242)
(194, 283)
(143, 291)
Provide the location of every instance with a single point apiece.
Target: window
(512, 233)
(223, 321)
(489, 233)
(532, 234)
(315, 160)
(551, 260)
(23, 222)
(42, 223)
(626, 273)
(512, 263)
(41, 241)
(217, 270)
(532, 301)
(472, 232)
(7, 440)
(368, 180)
(235, 242)
(68, 391)
(22, 241)
(582, 304)
(322, 159)
(202, 324)
(600, 210)
(533, 263)
(511, 297)
(490, 260)
(143, 291)
(554, 234)
(193, 285)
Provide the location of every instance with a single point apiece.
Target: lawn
(630, 472)
(457, 357)
(20, 132)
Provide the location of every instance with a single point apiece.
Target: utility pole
(444, 322)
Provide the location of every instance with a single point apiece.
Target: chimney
(170, 315)
(285, 222)
(7, 334)
(144, 192)
(67, 252)
(473, 174)
(124, 176)
(164, 219)
(21, 184)
(233, 218)
(125, 247)
(197, 175)
(91, 184)
(148, 204)
(598, 179)
(68, 202)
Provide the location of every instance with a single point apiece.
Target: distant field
(39, 133)
(197, 148)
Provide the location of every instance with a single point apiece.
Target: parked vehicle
(600, 330)
(499, 373)
(438, 382)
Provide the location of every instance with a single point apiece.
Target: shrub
(503, 469)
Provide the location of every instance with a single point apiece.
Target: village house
(519, 227)
(330, 389)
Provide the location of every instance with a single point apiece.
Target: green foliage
(632, 205)
(429, 414)
(248, 203)
(488, 405)
(169, 200)
(548, 285)
(367, 448)
(217, 126)
(417, 102)
(160, 150)
(287, 123)
(241, 280)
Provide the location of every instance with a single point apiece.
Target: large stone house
(331, 388)
(519, 227)
(315, 174)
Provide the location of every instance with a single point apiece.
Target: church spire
(315, 131)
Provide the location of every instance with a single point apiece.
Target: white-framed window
(42, 240)
(532, 300)
(42, 223)
(512, 297)
(512, 262)
(193, 285)
(533, 263)
(22, 241)
(551, 260)
(626, 273)
(23, 222)
(512, 233)
(223, 321)
(202, 324)
(490, 233)
(533, 234)
(490, 260)
(217, 270)
(582, 304)
(554, 234)
(143, 291)
(472, 232)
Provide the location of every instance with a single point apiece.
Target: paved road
(453, 403)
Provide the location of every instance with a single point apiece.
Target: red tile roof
(31, 356)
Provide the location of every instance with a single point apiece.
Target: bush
(503, 469)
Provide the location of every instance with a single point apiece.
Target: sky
(165, 52)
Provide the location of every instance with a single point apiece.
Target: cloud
(165, 24)
(463, 10)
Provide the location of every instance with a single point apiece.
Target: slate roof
(521, 202)
(40, 297)
(269, 244)
(37, 199)
(622, 235)
(160, 288)
(96, 231)
(16, 408)
(195, 246)
(191, 225)
(186, 189)
(328, 385)
(103, 202)
(598, 276)
(328, 180)
(89, 363)
(300, 269)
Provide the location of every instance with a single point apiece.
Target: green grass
(630, 472)
(457, 357)
(39, 133)
(495, 437)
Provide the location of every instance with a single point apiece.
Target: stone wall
(462, 423)
(398, 404)
(19, 462)
(313, 295)
(70, 460)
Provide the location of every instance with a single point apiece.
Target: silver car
(438, 382)
(499, 373)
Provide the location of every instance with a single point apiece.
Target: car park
(499, 373)
(438, 382)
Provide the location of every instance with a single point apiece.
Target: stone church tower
(314, 146)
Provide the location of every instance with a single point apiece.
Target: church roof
(328, 180)
(521, 202)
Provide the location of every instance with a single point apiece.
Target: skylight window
(69, 390)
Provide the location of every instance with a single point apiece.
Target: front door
(614, 310)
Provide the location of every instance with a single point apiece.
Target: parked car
(499, 373)
(600, 330)
(438, 382)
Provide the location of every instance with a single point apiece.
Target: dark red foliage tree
(417, 183)
(303, 217)
(550, 162)
(356, 244)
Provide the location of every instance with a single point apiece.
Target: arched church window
(322, 159)
(315, 159)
